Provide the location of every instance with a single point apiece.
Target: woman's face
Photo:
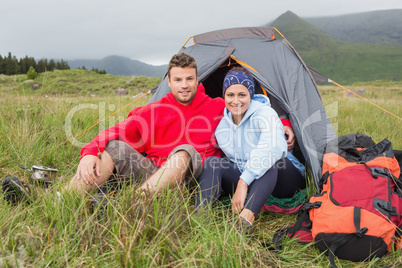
(237, 101)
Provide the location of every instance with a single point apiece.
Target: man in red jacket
(175, 134)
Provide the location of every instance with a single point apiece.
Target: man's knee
(179, 160)
(187, 159)
(112, 144)
(118, 150)
(106, 157)
(181, 154)
(128, 162)
(120, 153)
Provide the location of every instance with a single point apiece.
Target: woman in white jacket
(252, 138)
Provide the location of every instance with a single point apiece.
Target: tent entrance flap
(214, 82)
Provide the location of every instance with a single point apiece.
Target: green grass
(158, 232)
(353, 114)
(78, 82)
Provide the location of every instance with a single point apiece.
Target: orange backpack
(358, 213)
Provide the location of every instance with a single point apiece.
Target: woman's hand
(239, 196)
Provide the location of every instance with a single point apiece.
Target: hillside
(117, 65)
(381, 27)
(76, 82)
(341, 61)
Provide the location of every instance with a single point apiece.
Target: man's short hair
(182, 60)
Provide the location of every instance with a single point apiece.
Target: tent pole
(187, 40)
(279, 32)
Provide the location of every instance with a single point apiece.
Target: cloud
(149, 31)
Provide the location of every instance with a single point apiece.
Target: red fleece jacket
(157, 128)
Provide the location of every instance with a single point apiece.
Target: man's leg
(121, 161)
(106, 168)
(183, 162)
(172, 173)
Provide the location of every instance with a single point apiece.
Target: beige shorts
(130, 164)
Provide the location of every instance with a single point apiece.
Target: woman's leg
(283, 180)
(217, 173)
(260, 189)
(290, 181)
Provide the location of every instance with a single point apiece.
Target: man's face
(183, 83)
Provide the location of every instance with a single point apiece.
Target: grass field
(38, 127)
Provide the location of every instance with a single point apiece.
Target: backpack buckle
(309, 206)
(361, 232)
(384, 207)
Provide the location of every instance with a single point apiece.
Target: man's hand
(291, 137)
(89, 169)
(239, 197)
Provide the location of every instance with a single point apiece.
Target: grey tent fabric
(252, 32)
(276, 67)
(318, 78)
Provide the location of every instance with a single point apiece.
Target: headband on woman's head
(239, 77)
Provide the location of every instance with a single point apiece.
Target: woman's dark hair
(239, 69)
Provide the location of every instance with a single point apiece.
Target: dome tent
(279, 72)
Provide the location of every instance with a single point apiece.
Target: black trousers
(283, 180)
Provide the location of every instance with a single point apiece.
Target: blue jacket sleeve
(270, 147)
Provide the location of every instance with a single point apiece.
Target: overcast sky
(148, 30)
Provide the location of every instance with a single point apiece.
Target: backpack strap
(398, 184)
(340, 242)
(385, 207)
(302, 217)
(323, 180)
(384, 172)
(373, 174)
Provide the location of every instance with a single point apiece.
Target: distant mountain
(117, 65)
(383, 27)
(348, 48)
(303, 35)
(342, 61)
